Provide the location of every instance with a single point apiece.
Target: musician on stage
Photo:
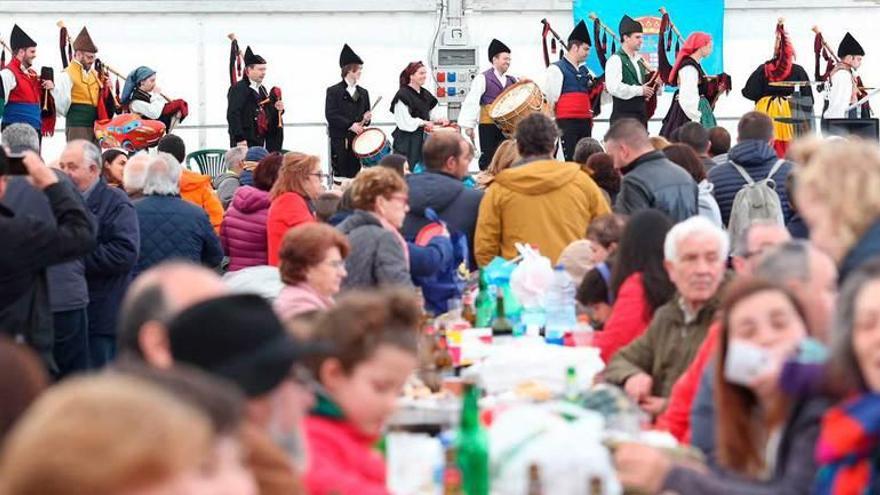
(775, 101)
(143, 97)
(22, 88)
(252, 113)
(347, 109)
(78, 89)
(484, 89)
(844, 90)
(690, 103)
(415, 112)
(625, 79)
(568, 84)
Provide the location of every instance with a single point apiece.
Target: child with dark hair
(373, 336)
(594, 294)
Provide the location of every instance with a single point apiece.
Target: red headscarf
(693, 43)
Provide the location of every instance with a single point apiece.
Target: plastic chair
(209, 162)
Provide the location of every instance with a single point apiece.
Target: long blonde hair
(505, 155)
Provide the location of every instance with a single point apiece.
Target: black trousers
(573, 130)
(490, 137)
(343, 162)
(641, 117)
(71, 349)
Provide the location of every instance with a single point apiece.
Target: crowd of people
(252, 332)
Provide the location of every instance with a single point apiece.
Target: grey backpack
(755, 201)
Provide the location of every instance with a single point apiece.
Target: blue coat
(867, 248)
(757, 157)
(172, 228)
(109, 266)
(456, 205)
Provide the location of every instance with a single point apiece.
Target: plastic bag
(531, 278)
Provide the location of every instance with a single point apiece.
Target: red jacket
(342, 459)
(676, 419)
(629, 318)
(287, 211)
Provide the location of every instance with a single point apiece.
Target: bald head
(135, 172)
(154, 298)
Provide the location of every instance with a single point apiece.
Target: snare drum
(515, 104)
(371, 146)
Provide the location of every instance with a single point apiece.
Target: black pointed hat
(251, 59)
(496, 47)
(580, 33)
(84, 43)
(348, 56)
(849, 46)
(20, 39)
(628, 25)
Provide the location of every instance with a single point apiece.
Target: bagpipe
(269, 123)
(823, 51)
(652, 76)
(47, 101)
(596, 85)
(715, 85)
(109, 103)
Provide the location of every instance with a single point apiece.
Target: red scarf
(693, 43)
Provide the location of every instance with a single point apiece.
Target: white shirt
(469, 116)
(553, 83)
(840, 95)
(9, 82)
(350, 87)
(408, 123)
(151, 110)
(689, 92)
(63, 88)
(614, 78)
(255, 86)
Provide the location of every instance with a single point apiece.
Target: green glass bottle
(485, 303)
(500, 324)
(472, 444)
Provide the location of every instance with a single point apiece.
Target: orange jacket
(196, 188)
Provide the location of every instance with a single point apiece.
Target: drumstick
(376, 103)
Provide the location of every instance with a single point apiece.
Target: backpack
(755, 201)
(449, 281)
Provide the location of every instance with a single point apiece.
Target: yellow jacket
(196, 188)
(545, 203)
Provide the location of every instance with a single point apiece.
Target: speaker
(863, 128)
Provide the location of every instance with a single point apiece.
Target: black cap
(252, 59)
(20, 39)
(628, 25)
(580, 33)
(849, 46)
(348, 56)
(239, 338)
(496, 47)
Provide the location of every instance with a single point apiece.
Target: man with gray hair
(696, 253)
(109, 266)
(755, 240)
(228, 182)
(170, 227)
(134, 174)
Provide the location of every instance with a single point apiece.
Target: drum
(371, 146)
(452, 127)
(515, 104)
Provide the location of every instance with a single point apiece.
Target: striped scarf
(848, 449)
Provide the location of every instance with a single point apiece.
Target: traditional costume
(151, 106)
(251, 114)
(691, 101)
(568, 91)
(345, 105)
(77, 93)
(412, 110)
(22, 89)
(625, 77)
(777, 102)
(844, 89)
(475, 109)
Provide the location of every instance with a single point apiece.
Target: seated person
(374, 337)
(595, 295)
(696, 252)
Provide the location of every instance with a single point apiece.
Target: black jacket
(29, 245)
(341, 110)
(652, 181)
(241, 117)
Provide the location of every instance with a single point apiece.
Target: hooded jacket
(196, 188)
(545, 203)
(376, 256)
(243, 231)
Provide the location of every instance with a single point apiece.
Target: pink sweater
(297, 299)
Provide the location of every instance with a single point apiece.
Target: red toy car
(129, 131)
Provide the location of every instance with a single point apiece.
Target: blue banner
(687, 15)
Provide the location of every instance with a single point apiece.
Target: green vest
(630, 77)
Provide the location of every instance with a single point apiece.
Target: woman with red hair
(413, 106)
(690, 102)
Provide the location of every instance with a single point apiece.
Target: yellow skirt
(773, 107)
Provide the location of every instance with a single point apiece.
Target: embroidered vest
(633, 107)
(574, 100)
(23, 104)
(86, 88)
(493, 89)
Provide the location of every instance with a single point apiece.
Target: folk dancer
(690, 103)
(625, 79)
(253, 113)
(844, 90)
(22, 88)
(347, 109)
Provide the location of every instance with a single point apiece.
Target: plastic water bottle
(560, 307)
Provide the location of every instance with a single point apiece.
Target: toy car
(129, 131)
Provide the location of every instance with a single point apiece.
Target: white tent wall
(185, 41)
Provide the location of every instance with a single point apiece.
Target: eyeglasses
(320, 175)
(403, 198)
(335, 264)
